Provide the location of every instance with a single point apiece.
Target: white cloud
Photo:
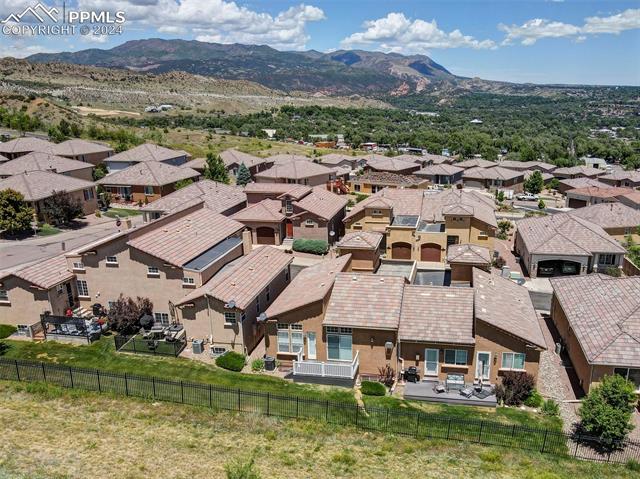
(397, 33)
(533, 30)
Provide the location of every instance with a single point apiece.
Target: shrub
(633, 465)
(257, 365)
(239, 469)
(372, 388)
(606, 411)
(125, 313)
(231, 360)
(550, 408)
(311, 246)
(7, 330)
(360, 197)
(613, 271)
(541, 204)
(515, 388)
(535, 399)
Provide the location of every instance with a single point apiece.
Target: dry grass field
(49, 432)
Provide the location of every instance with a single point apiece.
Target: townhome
(228, 311)
(144, 153)
(233, 159)
(289, 193)
(523, 166)
(364, 248)
(566, 185)
(420, 225)
(565, 244)
(29, 291)
(336, 160)
(298, 172)
(442, 174)
(580, 171)
(495, 178)
(597, 319)
(374, 181)
(628, 179)
(617, 219)
(319, 215)
(198, 164)
(475, 163)
(630, 198)
(163, 260)
(464, 258)
(82, 150)
(38, 161)
(145, 182)
(431, 159)
(265, 220)
(37, 186)
(397, 165)
(12, 149)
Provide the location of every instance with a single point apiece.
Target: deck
(423, 391)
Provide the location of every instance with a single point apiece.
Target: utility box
(197, 346)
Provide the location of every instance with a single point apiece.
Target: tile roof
(609, 215)
(527, 165)
(281, 189)
(361, 300)
(565, 234)
(604, 314)
(392, 164)
(196, 164)
(495, 173)
(335, 159)
(438, 159)
(148, 152)
(25, 144)
(152, 173)
(38, 161)
(442, 170)
(283, 158)
(322, 203)
(216, 196)
(295, 170)
(266, 210)
(232, 156)
(245, 279)
(37, 185)
(619, 175)
(184, 238)
(76, 146)
(545, 176)
(575, 183)
(360, 240)
(310, 285)
(601, 192)
(476, 163)
(579, 170)
(468, 253)
(388, 178)
(437, 314)
(506, 305)
(3, 159)
(632, 196)
(44, 273)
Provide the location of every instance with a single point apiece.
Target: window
(513, 361)
(4, 295)
(59, 288)
(288, 206)
(290, 338)
(628, 231)
(78, 266)
(243, 317)
(188, 281)
(607, 259)
(88, 194)
(83, 289)
(162, 318)
(356, 187)
(339, 342)
(153, 271)
(22, 329)
(455, 356)
(267, 293)
(217, 350)
(112, 260)
(148, 190)
(310, 223)
(632, 375)
(230, 317)
(452, 240)
(376, 213)
(483, 235)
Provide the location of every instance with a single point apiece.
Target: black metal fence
(407, 423)
(159, 347)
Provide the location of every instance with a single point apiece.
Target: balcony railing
(329, 369)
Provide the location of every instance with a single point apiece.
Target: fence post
(126, 384)
(98, 375)
(210, 397)
(44, 374)
(357, 411)
(17, 369)
(326, 412)
(182, 391)
(153, 381)
(268, 404)
(449, 429)
(480, 432)
(575, 452)
(544, 441)
(238, 399)
(417, 424)
(71, 376)
(297, 406)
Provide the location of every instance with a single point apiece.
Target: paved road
(13, 252)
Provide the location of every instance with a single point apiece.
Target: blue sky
(569, 41)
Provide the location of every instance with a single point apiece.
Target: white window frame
(59, 289)
(339, 332)
(288, 206)
(228, 319)
(162, 318)
(88, 194)
(488, 376)
(4, 296)
(78, 266)
(290, 335)
(456, 361)
(153, 271)
(513, 357)
(188, 281)
(376, 212)
(112, 260)
(309, 222)
(83, 287)
(218, 350)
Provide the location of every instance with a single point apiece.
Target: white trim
(478, 364)
(427, 373)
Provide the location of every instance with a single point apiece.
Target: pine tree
(244, 175)
(215, 169)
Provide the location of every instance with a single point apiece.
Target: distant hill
(343, 72)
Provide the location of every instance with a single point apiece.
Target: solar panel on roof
(200, 262)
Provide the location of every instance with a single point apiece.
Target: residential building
(12, 149)
(593, 162)
(432, 159)
(318, 215)
(364, 249)
(580, 171)
(597, 319)
(546, 177)
(630, 198)
(617, 219)
(82, 150)
(144, 153)
(335, 160)
(593, 195)
(374, 181)
(221, 198)
(463, 258)
(298, 172)
(564, 244)
(198, 164)
(37, 186)
(575, 183)
(420, 224)
(476, 163)
(398, 165)
(257, 192)
(265, 221)
(233, 159)
(227, 311)
(38, 161)
(442, 174)
(628, 179)
(496, 178)
(145, 182)
(523, 166)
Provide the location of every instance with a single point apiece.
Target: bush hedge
(535, 399)
(257, 365)
(7, 330)
(311, 246)
(232, 361)
(372, 388)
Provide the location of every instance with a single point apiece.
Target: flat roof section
(201, 262)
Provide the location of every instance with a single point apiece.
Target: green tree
(182, 183)
(61, 208)
(99, 172)
(215, 169)
(606, 411)
(541, 204)
(553, 184)
(15, 214)
(244, 175)
(534, 183)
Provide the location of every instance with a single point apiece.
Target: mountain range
(343, 72)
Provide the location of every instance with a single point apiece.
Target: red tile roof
(322, 203)
(44, 273)
(266, 210)
(360, 240)
(152, 173)
(468, 254)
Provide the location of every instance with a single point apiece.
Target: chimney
(246, 242)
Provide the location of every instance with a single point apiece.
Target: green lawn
(6, 330)
(47, 230)
(121, 213)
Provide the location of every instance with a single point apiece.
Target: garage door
(473, 184)
(401, 251)
(266, 235)
(575, 203)
(430, 252)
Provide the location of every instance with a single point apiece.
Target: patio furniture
(455, 381)
(439, 388)
(483, 393)
(411, 374)
(466, 392)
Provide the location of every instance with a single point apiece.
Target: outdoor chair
(466, 392)
(440, 388)
(455, 381)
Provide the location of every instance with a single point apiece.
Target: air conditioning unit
(197, 346)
